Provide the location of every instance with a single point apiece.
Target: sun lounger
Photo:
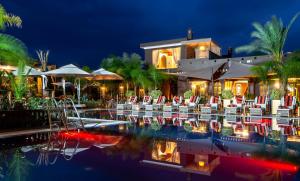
(128, 105)
(287, 106)
(157, 104)
(213, 105)
(191, 105)
(236, 106)
(259, 106)
(146, 101)
(177, 100)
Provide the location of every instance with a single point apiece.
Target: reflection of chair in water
(215, 125)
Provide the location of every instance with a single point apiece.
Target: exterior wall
(183, 52)
(148, 56)
(183, 85)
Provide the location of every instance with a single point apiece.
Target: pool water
(156, 146)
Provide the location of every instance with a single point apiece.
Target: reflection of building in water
(165, 151)
(169, 154)
(199, 164)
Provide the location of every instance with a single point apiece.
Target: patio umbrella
(102, 74)
(28, 71)
(69, 70)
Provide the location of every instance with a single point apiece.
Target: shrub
(227, 94)
(249, 96)
(188, 94)
(155, 94)
(275, 94)
(129, 93)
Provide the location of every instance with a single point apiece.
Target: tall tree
(270, 39)
(11, 49)
(156, 76)
(43, 58)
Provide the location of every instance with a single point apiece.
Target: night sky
(84, 32)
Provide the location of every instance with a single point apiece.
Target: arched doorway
(163, 62)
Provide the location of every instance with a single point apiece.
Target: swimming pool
(156, 146)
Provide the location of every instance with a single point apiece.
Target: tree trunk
(283, 86)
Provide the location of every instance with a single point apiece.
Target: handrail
(68, 103)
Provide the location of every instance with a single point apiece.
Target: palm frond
(12, 49)
(8, 20)
(269, 38)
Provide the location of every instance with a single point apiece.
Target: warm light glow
(202, 48)
(7, 68)
(201, 163)
(277, 84)
(245, 133)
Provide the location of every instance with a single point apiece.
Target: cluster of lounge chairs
(149, 104)
(238, 105)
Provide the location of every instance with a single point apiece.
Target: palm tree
(11, 49)
(8, 20)
(156, 76)
(43, 58)
(270, 39)
(19, 166)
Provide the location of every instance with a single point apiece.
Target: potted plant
(227, 95)
(155, 94)
(275, 97)
(187, 95)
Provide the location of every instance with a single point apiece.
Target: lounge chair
(177, 100)
(128, 105)
(287, 106)
(213, 105)
(146, 101)
(259, 106)
(236, 106)
(157, 104)
(191, 105)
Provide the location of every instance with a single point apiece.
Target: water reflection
(190, 144)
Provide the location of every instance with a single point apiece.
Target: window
(166, 58)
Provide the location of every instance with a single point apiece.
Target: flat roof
(173, 42)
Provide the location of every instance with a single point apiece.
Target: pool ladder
(61, 111)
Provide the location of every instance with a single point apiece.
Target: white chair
(157, 104)
(287, 106)
(128, 105)
(191, 105)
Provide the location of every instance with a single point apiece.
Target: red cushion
(176, 99)
(146, 98)
(159, 100)
(256, 106)
(261, 99)
(193, 99)
(288, 101)
(132, 99)
(232, 105)
(239, 99)
(215, 99)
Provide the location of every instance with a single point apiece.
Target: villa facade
(200, 66)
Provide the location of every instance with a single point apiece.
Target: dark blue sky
(85, 31)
